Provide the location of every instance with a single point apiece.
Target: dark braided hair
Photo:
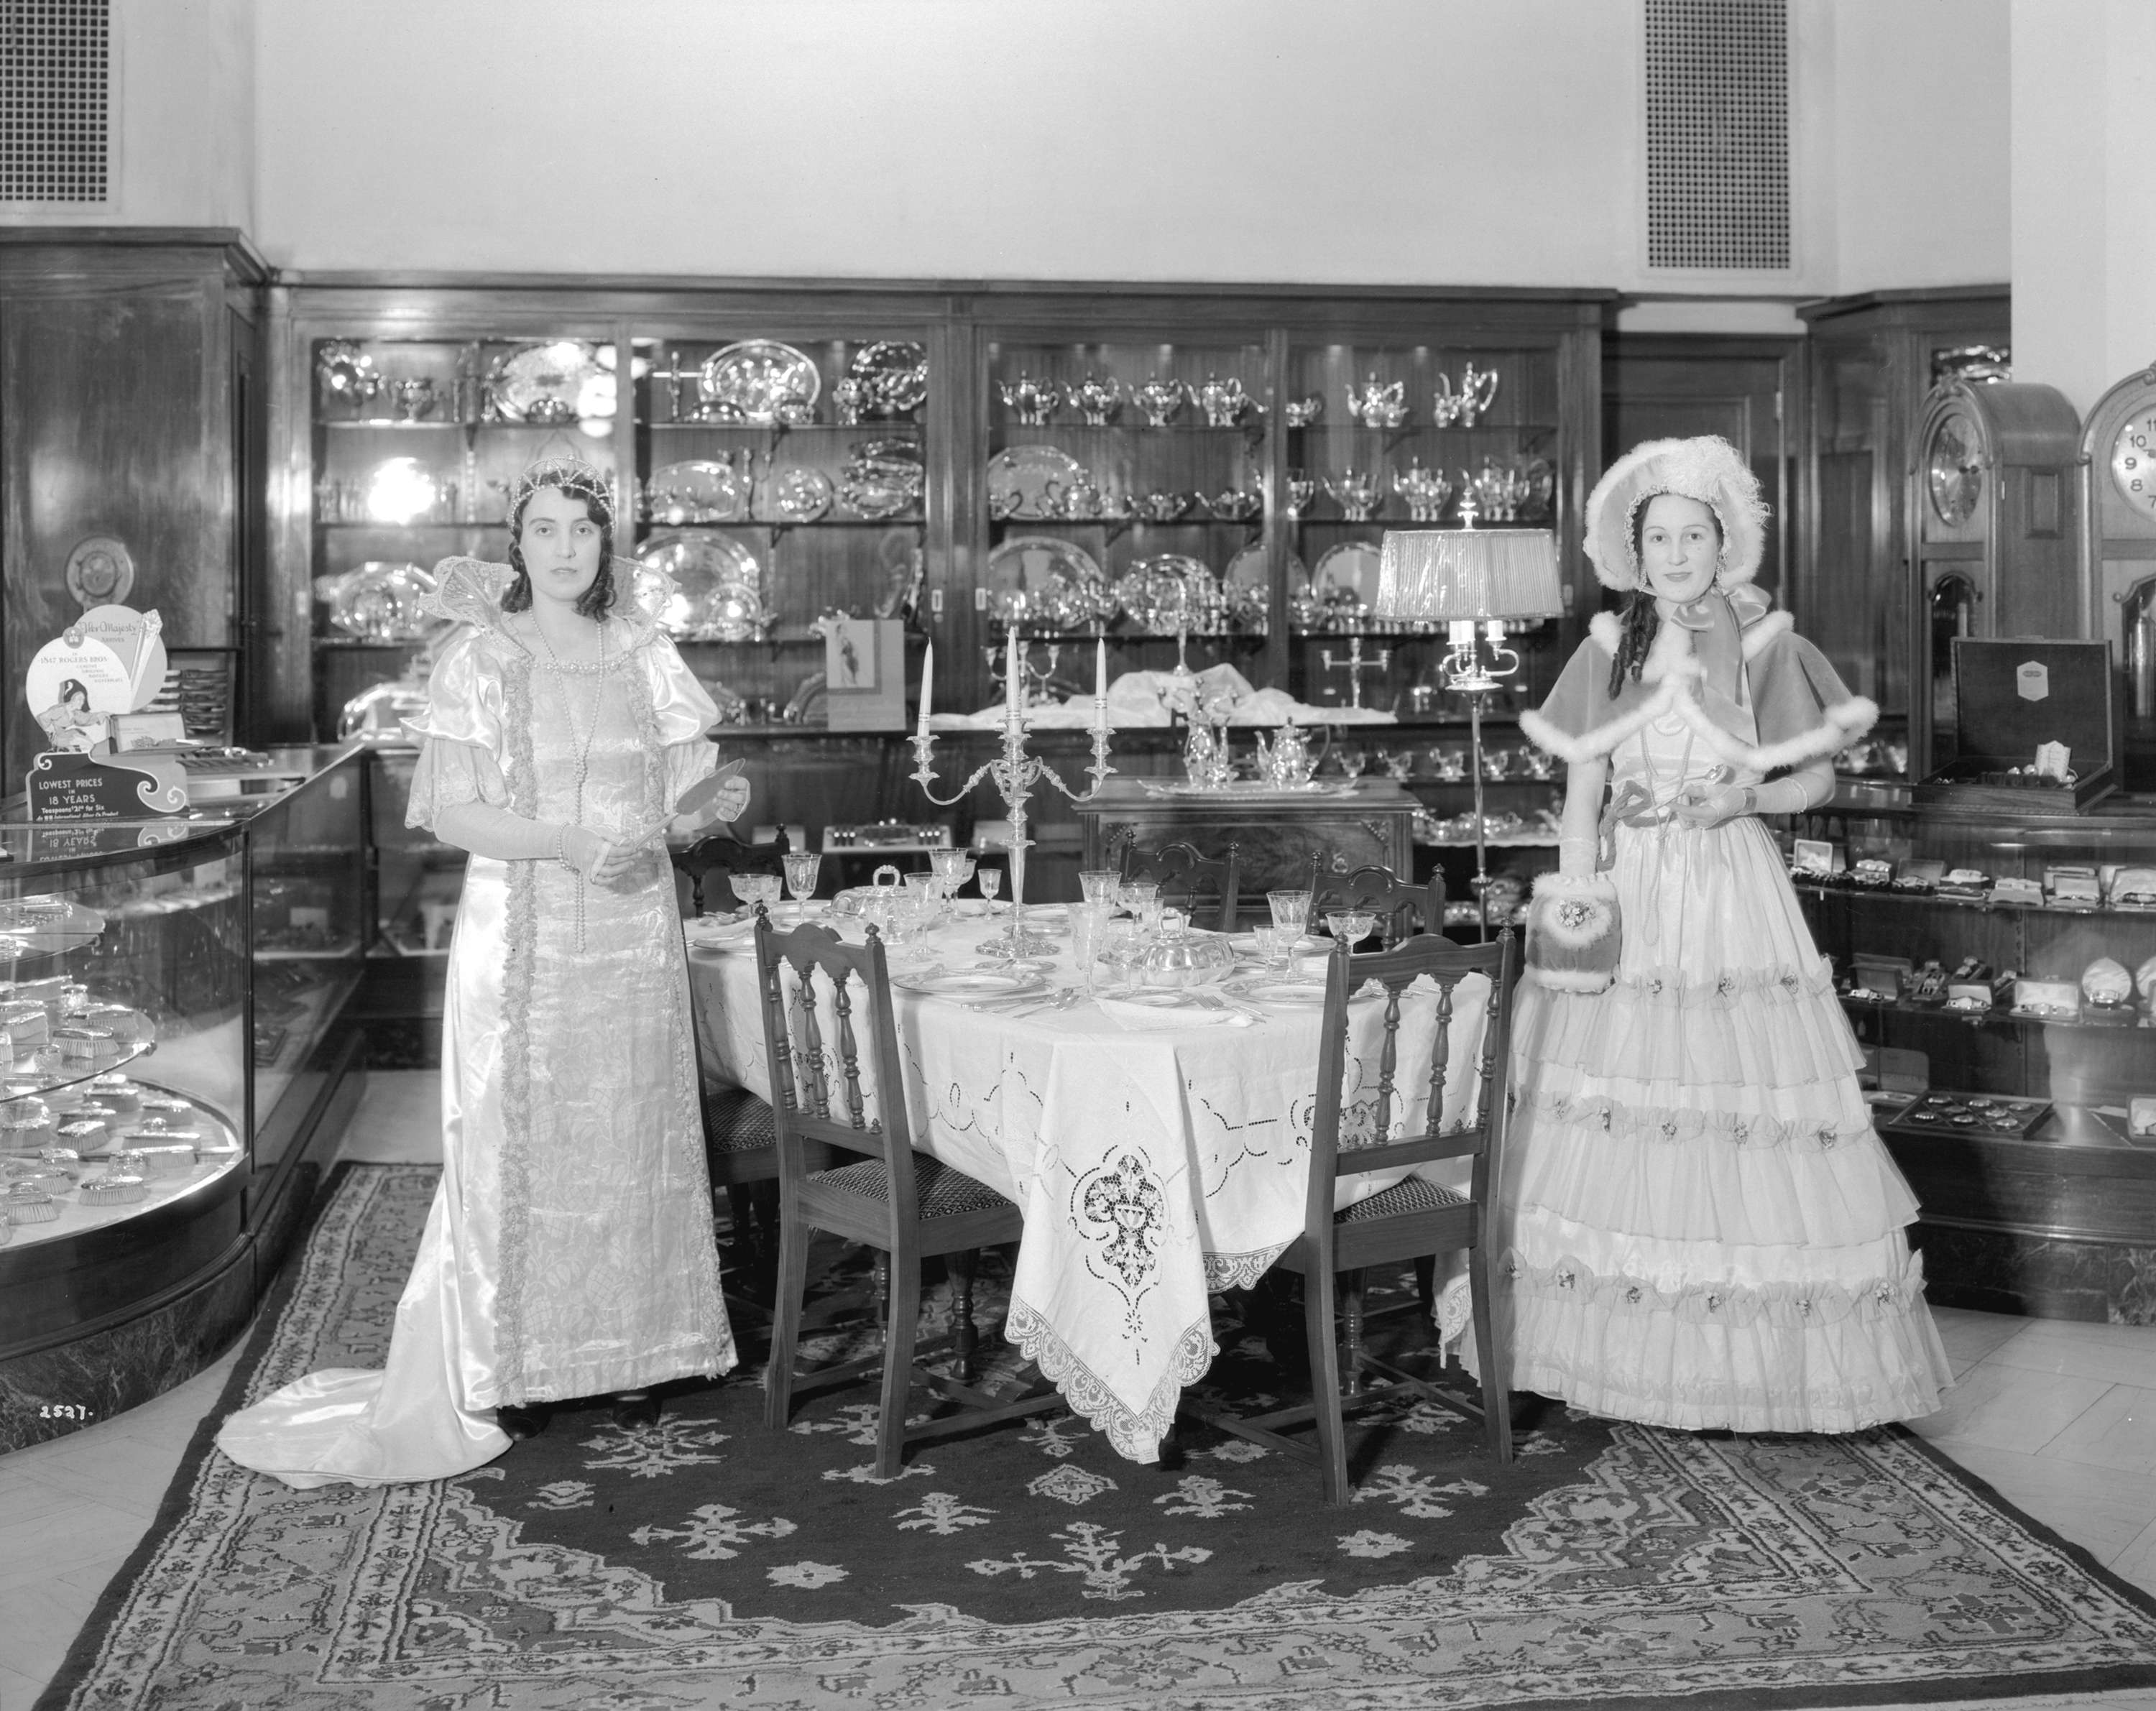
(597, 600)
(1638, 621)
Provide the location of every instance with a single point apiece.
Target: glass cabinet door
(783, 477)
(309, 932)
(1125, 495)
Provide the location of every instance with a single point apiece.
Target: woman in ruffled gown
(569, 1250)
(1700, 1227)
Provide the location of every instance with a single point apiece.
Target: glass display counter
(170, 998)
(2000, 972)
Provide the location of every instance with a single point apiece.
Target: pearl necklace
(585, 749)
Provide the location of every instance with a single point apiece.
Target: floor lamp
(1475, 581)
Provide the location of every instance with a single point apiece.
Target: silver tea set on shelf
(1379, 403)
(1224, 402)
(1503, 490)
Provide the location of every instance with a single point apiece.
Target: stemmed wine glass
(756, 888)
(801, 871)
(1350, 926)
(950, 867)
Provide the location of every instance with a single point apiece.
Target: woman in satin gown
(569, 1250)
(1700, 1227)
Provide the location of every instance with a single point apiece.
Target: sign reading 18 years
(84, 688)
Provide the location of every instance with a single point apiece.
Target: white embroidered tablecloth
(1155, 1164)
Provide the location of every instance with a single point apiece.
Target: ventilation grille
(1718, 134)
(55, 56)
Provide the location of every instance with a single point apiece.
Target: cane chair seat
(1408, 1196)
(737, 1121)
(943, 1192)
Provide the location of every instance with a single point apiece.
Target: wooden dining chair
(908, 1206)
(1412, 1217)
(1182, 873)
(710, 863)
(1402, 909)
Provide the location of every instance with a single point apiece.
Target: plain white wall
(1356, 142)
(1921, 143)
(2084, 230)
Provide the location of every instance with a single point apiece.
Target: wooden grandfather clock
(1993, 508)
(2118, 565)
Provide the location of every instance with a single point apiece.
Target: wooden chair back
(710, 862)
(1402, 909)
(1479, 1135)
(1184, 874)
(817, 1093)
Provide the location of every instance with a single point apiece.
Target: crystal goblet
(1350, 926)
(758, 890)
(801, 871)
(1100, 885)
(1291, 910)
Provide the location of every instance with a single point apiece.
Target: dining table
(1157, 1140)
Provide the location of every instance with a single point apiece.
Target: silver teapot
(849, 398)
(1223, 401)
(1099, 398)
(1377, 405)
(1034, 400)
(1161, 507)
(1301, 489)
(1160, 399)
(1303, 412)
(1287, 761)
(1079, 502)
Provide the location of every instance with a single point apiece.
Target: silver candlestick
(1016, 773)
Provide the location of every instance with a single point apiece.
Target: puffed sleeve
(685, 712)
(461, 734)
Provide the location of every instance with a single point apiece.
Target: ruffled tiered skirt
(1699, 1226)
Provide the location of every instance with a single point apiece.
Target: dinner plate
(1350, 568)
(971, 983)
(714, 931)
(893, 374)
(766, 381)
(1026, 481)
(1162, 998)
(697, 491)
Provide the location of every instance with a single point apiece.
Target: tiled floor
(2060, 1418)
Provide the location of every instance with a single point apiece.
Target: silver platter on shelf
(801, 496)
(543, 382)
(1044, 580)
(760, 381)
(700, 490)
(882, 478)
(893, 375)
(1029, 481)
(717, 593)
(1168, 592)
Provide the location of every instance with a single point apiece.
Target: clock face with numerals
(1953, 469)
(2134, 460)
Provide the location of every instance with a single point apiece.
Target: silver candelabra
(1016, 773)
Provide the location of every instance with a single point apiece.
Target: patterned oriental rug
(707, 1562)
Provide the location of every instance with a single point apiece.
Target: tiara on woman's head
(573, 476)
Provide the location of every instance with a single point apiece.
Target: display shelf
(1979, 906)
(785, 526)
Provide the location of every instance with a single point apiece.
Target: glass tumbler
(1088, 922)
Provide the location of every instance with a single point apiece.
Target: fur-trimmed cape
(1791, 706)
